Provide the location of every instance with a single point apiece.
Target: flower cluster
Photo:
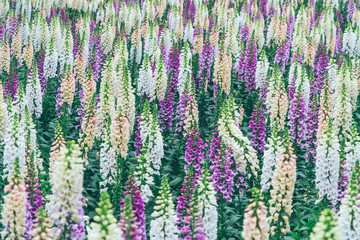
(327, 227)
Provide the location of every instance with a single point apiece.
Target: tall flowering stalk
(14, 207)
(256, 224)
(33, 92)
(164, 218)
(14, 145)
(105, 224)
(327, 165)
(248, 75)
(222, 168)
(3, 114)
(257, 127)
(273, 150)
(311, 131)
(193, 225)
(208, 206)
(352, 151)
(327, 227)
(230, 133)
(349, 214)
(276, 99)
(132, 220)
(66, 202)
(59, 142)
(194, 156)
(283, 185)
(222, 70)
(34, 195)
(205, 62)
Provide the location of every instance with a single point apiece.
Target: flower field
(180, 119)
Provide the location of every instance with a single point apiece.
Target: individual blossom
(66, 200)
(232, 136)
(283, 185)
(133, 203)
(105, 224)
(327, 165)
(327, 227)
(162, 226)
(33, 92)
(277, 100)
(208, 206)
(256, 224)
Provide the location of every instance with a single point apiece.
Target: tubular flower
(283, 184)
(14, 207)
(133, 203)
(42, 227)
(15, 145)
(273, 151)
(208, 206)
(33, 92)
(349, 214)
(327, 227)
(105, 224)
(233, 138)
(164, 218)
(66, 202)
(327, 165)
(256, 224)
(59, 142)
(277, 100)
